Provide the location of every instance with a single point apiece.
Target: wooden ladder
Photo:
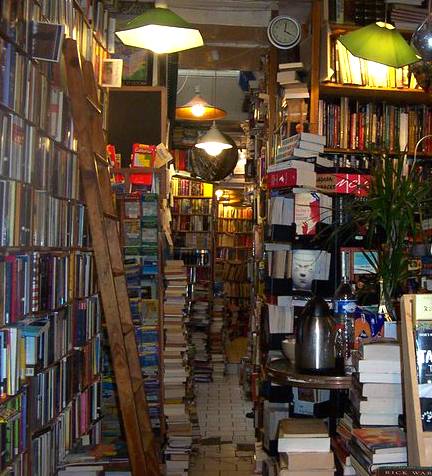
(103, 220)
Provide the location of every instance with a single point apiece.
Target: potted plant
(391, 215)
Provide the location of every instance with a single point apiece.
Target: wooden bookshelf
(399, 96)
(46, 261)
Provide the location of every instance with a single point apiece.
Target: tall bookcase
(50, 315)
(234, 249)
(192, 228)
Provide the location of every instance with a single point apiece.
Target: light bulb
(198, 110)
(219, 193)
(213, 148)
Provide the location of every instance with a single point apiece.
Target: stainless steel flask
(314, 348)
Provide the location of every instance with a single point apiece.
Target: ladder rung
(94, 105)
(130, 330)
(111, 216)
(101, 159)
(117, 272)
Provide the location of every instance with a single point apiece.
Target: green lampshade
(380, 42)
(161, 31)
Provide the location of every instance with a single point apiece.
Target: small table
(283, 372)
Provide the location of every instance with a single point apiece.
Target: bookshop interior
(215, 237)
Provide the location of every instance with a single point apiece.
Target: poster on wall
(137, 65)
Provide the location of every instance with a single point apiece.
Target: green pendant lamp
(161, 31)
(380, 42)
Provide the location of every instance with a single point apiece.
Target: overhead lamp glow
(198, 109)
(380, 42)
(213, 142)
(161, 31)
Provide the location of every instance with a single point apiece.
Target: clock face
(284, 32)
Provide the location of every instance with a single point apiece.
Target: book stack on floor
(199, 325)
(376, 395)
(304, 448)
(289, 78)
(216, 340)
(341, 444)
(372, 448)
(179, 430)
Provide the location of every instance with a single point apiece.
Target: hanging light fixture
(161, 31)
(382, 43)
(198, 109)
(213, 142)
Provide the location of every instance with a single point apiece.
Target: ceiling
(235, 37)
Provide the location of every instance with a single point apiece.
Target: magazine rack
(414, 307)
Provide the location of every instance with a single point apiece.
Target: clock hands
(286, 31)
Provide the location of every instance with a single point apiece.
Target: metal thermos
(315, 339)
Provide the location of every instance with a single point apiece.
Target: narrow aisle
(227, 435)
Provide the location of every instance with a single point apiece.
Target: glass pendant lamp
(198, 109)
(213, 142)
(380, 42)
(160, 30)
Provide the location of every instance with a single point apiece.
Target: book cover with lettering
(423, 337)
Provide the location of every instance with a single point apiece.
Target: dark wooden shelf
(338, 150)
(408, 96)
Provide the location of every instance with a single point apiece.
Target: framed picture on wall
(137, 65)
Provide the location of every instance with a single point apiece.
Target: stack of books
(179, 429)
(304, 448)
(341, 444)
(376, 395)
(408, 15)
(301, 146)
(199, 326)
(289, 79)
(375, 447)
(216, 340)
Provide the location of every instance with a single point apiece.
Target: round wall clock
(284, 32)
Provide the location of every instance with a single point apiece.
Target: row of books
(50, 338)
(36, 160)
(233, 289)
(13, 428)
(190, 239)
(233, 254)
(191, 206)
(36, 282)
(234, 272)
(374, 126)
(49, 447)
(191, 223)
(228, 240)
(360, 12)
(23, 353)
(30, 217)
(229, 211)
(233, 225)
(350, 69)
(181, 187)
(408, 17)
(28, 92)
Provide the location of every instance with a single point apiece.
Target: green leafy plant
(391, 215)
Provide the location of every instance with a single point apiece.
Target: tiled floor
(227, 444)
